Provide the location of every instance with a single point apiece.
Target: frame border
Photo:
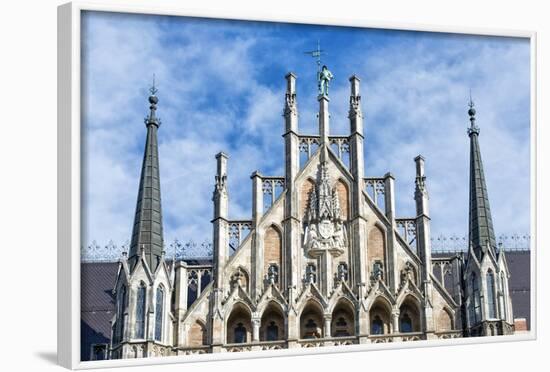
(69, 182)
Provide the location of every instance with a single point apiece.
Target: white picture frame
(69, 183)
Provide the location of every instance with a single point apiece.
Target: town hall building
(327, 262)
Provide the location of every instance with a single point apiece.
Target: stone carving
(325, 230)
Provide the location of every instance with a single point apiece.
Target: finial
(153, 88)
(472, 113)
(153, 100)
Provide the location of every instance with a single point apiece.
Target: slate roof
(97, 305)
(480, 223)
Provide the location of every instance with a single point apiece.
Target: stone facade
(328, 263)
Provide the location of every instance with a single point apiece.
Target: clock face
(326, 229)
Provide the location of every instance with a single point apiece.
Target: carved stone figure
(324, 231)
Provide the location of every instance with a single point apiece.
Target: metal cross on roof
(153, 88)
(317, 54)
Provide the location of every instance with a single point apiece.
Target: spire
(481, 233)
(147, 236)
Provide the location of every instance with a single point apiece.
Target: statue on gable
(325, 76)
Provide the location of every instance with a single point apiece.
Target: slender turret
(481, 233)
(147, 235)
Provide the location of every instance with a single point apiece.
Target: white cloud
(414, 100)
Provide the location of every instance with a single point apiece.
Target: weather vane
(153, 88)
(324, 76)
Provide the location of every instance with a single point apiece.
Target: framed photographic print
(238, 186)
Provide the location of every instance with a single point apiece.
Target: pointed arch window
(491, 300)
(159, 310)
(475, 299)
(121, 301)
(504, 296)
(272, 332)
(405, 323)
(140, 311)
(377, 326)
(240, 334)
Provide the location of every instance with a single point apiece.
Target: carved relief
(325, 230)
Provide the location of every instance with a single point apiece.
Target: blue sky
(221, 88)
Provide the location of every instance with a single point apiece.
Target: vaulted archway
(311, 321)
(343, 319)
(409, 315)
(380, 317)
(272, 325)
(239, 325)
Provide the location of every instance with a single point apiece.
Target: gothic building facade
(327, 262)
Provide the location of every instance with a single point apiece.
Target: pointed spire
(147, 235)
(481, 233)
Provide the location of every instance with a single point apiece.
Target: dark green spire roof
(481, 233)
(147, 236)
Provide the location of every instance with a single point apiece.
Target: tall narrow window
(159, 309)
(491, 301)
(504, 297)
(377, 326)
(240, 334)
(121, 301)
(405, 323)
(272, 332)
(140, 311)
(476, 299)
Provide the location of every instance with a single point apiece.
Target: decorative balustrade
(341, 144)
(449, 334)
(459, 243)
(441, 244)
(396, 337)
(194, 350)
(272, 187)
(306, 143)
(237, 348)
(375, 187)
(311, 343)
(407, 228)
(237, 232)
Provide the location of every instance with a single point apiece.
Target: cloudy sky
(221, 88)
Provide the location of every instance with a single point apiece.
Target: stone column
(289, 276)
(328, 321)
(256, 329)
(257, 251)
(357, 233)
(395, 321)
(180, 285)
(389, 206)
(324, 120)
(220, 221)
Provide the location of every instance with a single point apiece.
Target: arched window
(476, 300)
(272, 332)
(491, 301)
(140, 311)
(311, 329)
(504, 295)
(377, 326)
(121, 301)
(240, 334)
(159, 309)
(405, 323)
